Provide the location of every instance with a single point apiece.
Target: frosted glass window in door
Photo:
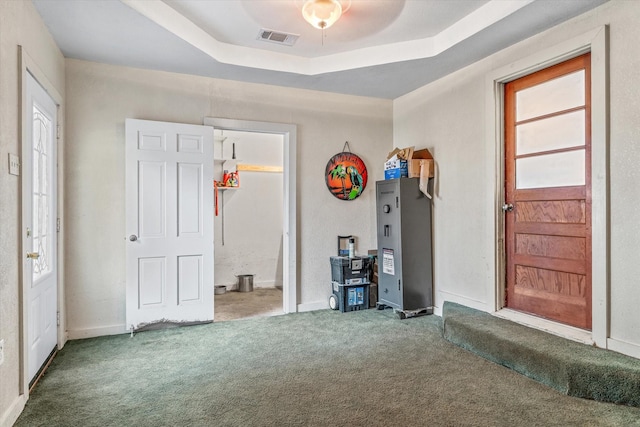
(553, 133)
(42, 229)
(551, 170)
(555, 95)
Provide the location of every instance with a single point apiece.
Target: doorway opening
(248, 226)
(273, 162)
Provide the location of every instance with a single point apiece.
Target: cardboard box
(408, 162)
(401, 153)
(396, 164)
(373, 295)
(395, 167)
(414, 166)
(421, 159)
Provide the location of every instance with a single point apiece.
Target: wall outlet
(14, 164)
(1, 351)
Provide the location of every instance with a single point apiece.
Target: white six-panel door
(39, 239)
(169, 223)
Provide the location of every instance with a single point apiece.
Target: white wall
(19, 25)
(450, 118)
(447, 116)
(252, 214)
(100, 97)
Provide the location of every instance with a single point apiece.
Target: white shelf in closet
(223, 161)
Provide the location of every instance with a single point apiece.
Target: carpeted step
(570, 367)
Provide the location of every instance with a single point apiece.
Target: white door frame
(29, 66)
(596, 42)
(289, 211)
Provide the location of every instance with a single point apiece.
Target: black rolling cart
(350, 279)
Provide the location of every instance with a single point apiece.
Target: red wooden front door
(548, 193)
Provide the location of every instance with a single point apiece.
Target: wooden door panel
(557, 193)
(571, 310)
(566, 265)
(576, 230)
(567, 284)
(551, 211)
(548, 233)
(562, 247)
(550, 305)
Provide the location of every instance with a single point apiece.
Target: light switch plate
(14, 164)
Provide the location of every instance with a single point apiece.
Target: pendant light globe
(322, 13)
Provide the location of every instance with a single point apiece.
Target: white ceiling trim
(176, 23)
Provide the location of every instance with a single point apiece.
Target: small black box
(351, 271)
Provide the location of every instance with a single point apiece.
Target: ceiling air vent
(277, 37)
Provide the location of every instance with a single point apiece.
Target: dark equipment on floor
(350, 279)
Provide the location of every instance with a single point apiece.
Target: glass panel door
(42, 218)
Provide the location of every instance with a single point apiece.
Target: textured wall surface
(99, 99)
(449, 116)
(20, 25)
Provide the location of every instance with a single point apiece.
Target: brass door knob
(33, 255)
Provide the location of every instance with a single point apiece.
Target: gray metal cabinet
(405, 273)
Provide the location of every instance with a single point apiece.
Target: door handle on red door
(507, 207)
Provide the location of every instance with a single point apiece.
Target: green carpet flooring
(569, 367)
(323, 368)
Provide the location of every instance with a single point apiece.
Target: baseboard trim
(263, 284)
(313, 306)
(437, 311)
(78, 334)
(11, 415)
(267, 284)
(459, 299)
(623, 347)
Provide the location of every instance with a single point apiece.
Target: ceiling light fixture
(323, 13)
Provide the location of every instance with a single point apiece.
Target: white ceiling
(380, 48)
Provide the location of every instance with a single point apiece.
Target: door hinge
(58, 318)
(58, 131)
(58, 225)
